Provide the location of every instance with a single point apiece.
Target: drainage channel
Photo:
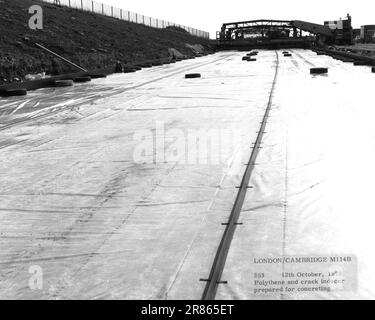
(217, 268)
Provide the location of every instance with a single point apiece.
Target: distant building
(343, 29)
(339, 24)
(333, 25)
(357, 35)
(367, 33)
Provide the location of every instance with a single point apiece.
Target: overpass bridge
(280, 33)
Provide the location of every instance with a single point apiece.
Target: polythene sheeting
(103, 224)
(313, 194)
(103, 220)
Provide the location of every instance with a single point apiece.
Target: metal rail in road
(217, 269)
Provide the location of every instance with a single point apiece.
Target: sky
(209, 15)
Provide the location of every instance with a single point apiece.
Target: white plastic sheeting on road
(313, 194)
(118, 188)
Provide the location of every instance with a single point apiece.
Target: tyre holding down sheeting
(82, 79)
(318, 70)
(129, 70)
(245, 58)
(348, 60)
(373, 69)
(360, 63)
(62, 83)
(287, 55)
(145, 65)
(192, 75)
(98, 75)
(13, 92)
(252, 59)
(157, 64)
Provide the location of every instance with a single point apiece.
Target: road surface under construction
(153, 186)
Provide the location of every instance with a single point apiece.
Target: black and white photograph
(193, 151)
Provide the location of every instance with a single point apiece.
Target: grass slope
(90, 40)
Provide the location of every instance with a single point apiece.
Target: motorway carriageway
(105, 187)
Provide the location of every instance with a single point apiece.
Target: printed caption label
(301, 275)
